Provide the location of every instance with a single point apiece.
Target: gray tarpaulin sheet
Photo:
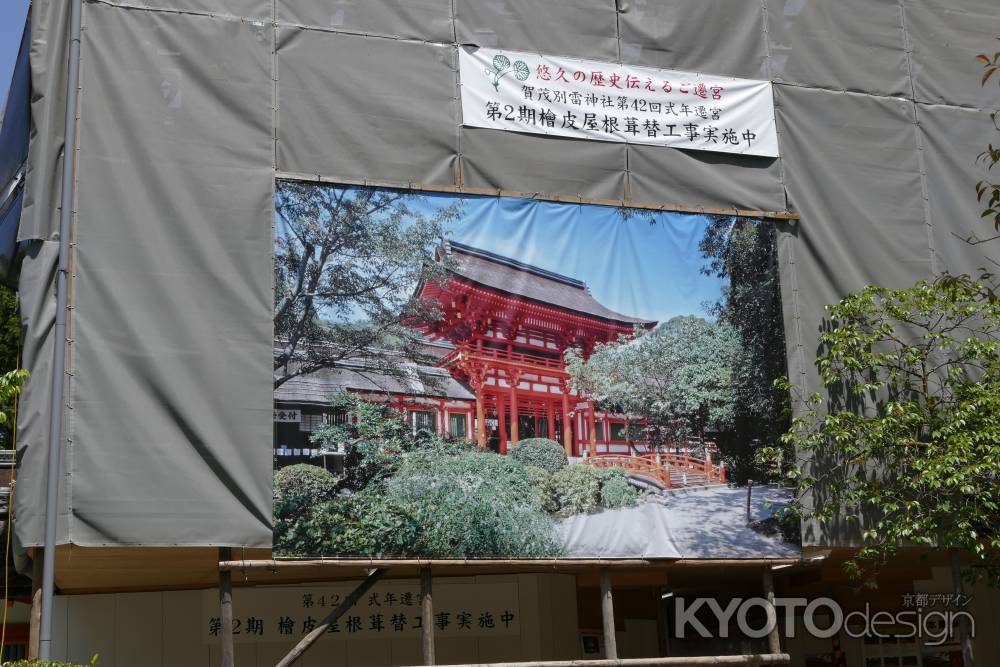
(14, 127)
(38, 307)
(673, 35)
(846, 45)
(414, 19)
(581, 28)
(408, 132)
(187, 114)
(10, 216)
(704, 523)
(14, 120)
(49, 21)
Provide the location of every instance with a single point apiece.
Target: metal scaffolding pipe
(59, 341)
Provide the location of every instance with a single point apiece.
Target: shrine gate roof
(356, 375)
(531, 282)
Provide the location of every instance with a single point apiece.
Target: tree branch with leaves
(347, 265)
(906, 444)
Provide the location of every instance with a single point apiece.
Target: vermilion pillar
(567, 427)
(480, 420)
(593, 430)
(550, 406)
(513, 379)
(502, 425)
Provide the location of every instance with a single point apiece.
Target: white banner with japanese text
(589, 99)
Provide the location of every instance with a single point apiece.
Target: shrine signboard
(391, 610)
(589, 99)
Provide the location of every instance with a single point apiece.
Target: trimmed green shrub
(473, 504)
(304, 480)
(541, 453)
(576, 489)
(616, 490)
(541, 481)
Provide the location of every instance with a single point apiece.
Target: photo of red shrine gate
(510, 323)
(500, 375)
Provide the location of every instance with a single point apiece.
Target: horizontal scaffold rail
(758, 659)
(273, 565)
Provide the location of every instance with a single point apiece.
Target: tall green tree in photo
(678, 378)
(347, 262)
(744, 252)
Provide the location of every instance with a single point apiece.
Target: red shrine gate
(511, 323)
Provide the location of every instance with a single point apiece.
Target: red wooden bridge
(665, 470)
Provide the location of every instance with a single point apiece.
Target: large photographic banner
(589, 99)
(465, 376)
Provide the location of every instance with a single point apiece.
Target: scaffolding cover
(189, 110)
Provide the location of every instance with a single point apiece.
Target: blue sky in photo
(12, 15)
(633, 266)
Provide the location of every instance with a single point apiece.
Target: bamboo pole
(755, 660)
(608, 616)
(227, 656)
(324, 625)
(773, 637)
(427, 616)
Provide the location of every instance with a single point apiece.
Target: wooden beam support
(330, 618)
(427, 616)
(608, 616)
(570, 199)
(774, 636)
(556, 564)
(36, 603)
(227, 656)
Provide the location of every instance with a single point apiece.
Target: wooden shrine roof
(530, 282)
(354, 375)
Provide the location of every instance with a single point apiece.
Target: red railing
(517, 358)
(666, 470)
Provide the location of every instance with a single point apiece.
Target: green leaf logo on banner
(501, 67)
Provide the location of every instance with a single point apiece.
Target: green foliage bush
(576, 489)
(471, 504)
(541, 453)
(416, 495)
(616, 490)
(304, 480)
(541, 481)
